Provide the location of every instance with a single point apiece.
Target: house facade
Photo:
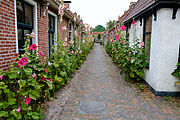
(21, 17)
(157, 24)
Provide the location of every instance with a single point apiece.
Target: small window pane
(28, 14)
(148, 46)
(19, 7)
(149, 24)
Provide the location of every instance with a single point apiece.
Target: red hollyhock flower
(130, 58)
(50, 80)
(40, 53)
(42, 79)
(33, 47)
(133, 22)
(27, 101)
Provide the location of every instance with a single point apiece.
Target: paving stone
(99, 92)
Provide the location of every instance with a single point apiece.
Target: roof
(140, 6)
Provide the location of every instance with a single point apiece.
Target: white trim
(35, 30)
(53, 14)
(16, 26)
(71, 30)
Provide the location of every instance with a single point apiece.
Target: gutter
(154, 7)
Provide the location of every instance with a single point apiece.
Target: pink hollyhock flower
(82, 23)
(142, 44)
(46, 69)
(112, 40)
(117, 37)
(19, 109)
(24, 60)
(65, 44)
(67, 51)
(50, 80)
(114, 49)
(80, 51)
(111, 34)
(27, 101)
(27, 35)
(34, 75)
(42, 79)
(72, 42)
(34, 35)
(129, 58)
(122, 42)
(65, 39)
(64, 28)
(72, 51)
(123, 27)
(33, 47)
(76, 51)
(40, 53)
(78, 48)
(1, 77)
(133, 22)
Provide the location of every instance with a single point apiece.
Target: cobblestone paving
(99, 92)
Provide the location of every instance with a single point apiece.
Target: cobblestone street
(99, 92)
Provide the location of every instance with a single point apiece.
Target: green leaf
(28, 71)
(63, 74)
(61, 60)
(5, 105)
(13, 76)
(33, 94)
(11, 101)
(22, 83)
(131, 74)
(35, 115)
(3, 113)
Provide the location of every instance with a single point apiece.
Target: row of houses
(21, 17)
(158, 26)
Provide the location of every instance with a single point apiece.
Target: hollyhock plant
(72, 52)
(117, 37)
(19, 109)
(80, 51)
(34, 35)
(129, 58)
(133, 22)
(42, 79)
(50, 80)
(33, 47)
(76, 51)
(40, 53)
(142, 44)
(27, 101)
(123, 28)
(65, 44)
(46, 69)
(64, 28)
(24, 60)
(122, 42)
(34, 75)
(65, 39)
(1, 77)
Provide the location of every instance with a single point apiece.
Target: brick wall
(7, 34)
(42, 31)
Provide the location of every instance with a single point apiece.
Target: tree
(99, 28)
(99, 36)
(110, 24)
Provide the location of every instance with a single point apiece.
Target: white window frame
(71, 30)
(35, 30)
(55, 35)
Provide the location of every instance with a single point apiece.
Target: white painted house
(158, 25)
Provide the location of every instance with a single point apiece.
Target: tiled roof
(139, 7)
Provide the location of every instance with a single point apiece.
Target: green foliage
(98, 28)
(131, 59)
(176, 73)
(38, 80)
(110, 24)
(99, 36)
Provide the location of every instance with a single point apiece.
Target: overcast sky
(98, 12)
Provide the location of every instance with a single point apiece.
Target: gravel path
(99, 92)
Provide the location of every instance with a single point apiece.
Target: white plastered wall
(165, 42)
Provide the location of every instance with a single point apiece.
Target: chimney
(67, 6)
(132, 4)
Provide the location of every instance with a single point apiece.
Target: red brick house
(20, 17)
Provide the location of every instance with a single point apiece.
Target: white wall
(164, 51)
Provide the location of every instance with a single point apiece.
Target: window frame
(27, 27)
(147, 33)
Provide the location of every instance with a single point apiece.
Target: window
(24, 22)
(147, 37)
(51, 32)
(70, 27)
